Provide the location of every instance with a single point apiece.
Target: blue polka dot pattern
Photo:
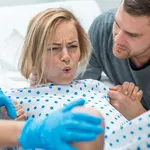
(135, 135)
(40, 101)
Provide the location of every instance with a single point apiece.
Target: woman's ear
(33, 79)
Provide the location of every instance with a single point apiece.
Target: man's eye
(132, 35)
(116, 25)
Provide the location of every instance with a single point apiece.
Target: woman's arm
(64, 124)
(9, 132)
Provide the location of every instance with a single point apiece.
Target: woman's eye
(72, 46)
(55, 48)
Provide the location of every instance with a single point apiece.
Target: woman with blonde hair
(39, 39)
(57, 49)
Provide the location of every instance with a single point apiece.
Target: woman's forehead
(65, 31)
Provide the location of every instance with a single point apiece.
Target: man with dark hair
(121, 48)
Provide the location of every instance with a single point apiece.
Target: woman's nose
(65, 55)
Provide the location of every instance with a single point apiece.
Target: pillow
(14, 22)
(10, 76)
(18, 17)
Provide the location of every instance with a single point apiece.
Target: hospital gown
(39, 101)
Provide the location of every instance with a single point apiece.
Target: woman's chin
(64, 81)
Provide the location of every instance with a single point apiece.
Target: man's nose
(120, 38)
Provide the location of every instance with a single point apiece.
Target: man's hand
(5, 101)
(130, 90)
(125, 105)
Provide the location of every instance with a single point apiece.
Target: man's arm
(125, 105)
(93, 70)
(100, 35)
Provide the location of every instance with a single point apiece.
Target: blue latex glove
(61, 127)
(5, 101)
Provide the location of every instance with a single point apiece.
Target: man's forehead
(137, 23)
(121, 12)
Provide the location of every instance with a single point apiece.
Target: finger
(115, 95)
(130, 88)
(133, 96)
(139, 95)
(73, 136)
(86, 118)
(18, 106)
(20, 112)
(14, 102)
(125, 87)
(78, 126)
(21, 117)
(115, 104)
(116, 88)
(73, 104)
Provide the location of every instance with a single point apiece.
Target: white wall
(108, 4)
(22, 2)
(104, 4)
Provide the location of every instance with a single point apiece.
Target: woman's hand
(20, 113)
(7, 102)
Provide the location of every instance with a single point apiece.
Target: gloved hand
(61, 127)
(5, 101)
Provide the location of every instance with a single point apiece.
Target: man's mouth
(120, 49)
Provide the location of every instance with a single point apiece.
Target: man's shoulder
(106, 16)
(110, 12)
(103, 22)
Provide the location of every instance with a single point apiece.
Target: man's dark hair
(137, 7)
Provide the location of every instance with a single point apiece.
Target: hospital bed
(13, 26)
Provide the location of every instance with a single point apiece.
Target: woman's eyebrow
(73, 42)
(57, 44)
